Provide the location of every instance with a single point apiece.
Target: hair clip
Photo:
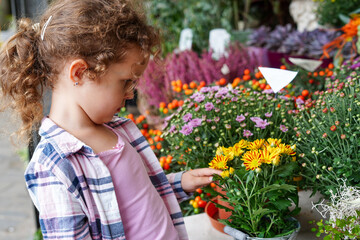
(44, 28)
(76, 83)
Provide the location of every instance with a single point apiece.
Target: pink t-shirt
(143, 212)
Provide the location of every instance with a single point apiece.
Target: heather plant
(155, 85)
(220, 116)
(328, 136)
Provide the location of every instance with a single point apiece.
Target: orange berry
(181, 102)
(158, 146)
(170, 106)
(246, 72)
(166, 166)
(178, 83)
(193, 85)
(315, 74)
(283, 67)
(331, 65)
(168, 160)
(188, 92)
(246, 77)
(197, 198)
(162, 159)
(321, 73)
(165, 111)
(212, 185)
(152, 147)
(305, 93)
(330, 73)
(203, 83)
(185, 86)
(173, 83)
(222, 81)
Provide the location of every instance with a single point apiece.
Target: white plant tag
(186, 37)
(219, 39)
(225, 69)
(277, 78)
(307, 64)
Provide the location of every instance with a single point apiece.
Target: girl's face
(103, 97)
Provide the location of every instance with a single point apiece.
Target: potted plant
(219, 116)
(328, 133)
(257, 177)
(344, 214)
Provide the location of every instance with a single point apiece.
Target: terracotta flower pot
(223, 214)
(213, 213)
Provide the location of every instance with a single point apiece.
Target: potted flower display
(328, 133)
(256, 178)
(220, 116)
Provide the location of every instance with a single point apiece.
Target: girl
(92, 176)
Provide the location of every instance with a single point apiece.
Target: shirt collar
(62, 141)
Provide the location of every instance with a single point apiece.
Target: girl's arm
(60, 213)
(187, 182)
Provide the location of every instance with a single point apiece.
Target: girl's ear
(77, 70)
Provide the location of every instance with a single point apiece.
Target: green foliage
(333, 11)
(328, 131)
(260, 201)
(219, 126)
(201, 16)
(347, 228)
(38, 235)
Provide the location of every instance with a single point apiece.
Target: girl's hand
(197, 178)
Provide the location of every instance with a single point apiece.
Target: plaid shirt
(73, 190)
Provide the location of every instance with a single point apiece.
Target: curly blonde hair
(98, 31)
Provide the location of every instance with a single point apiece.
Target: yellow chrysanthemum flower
(257, 144)
(286, 149)
(219, 162)
(252, 159)
(229, 152)
(242, 143)
(231, 170)
(268, 155)
(237, 149)
(273, 142)
(225, 174)
(220, 150)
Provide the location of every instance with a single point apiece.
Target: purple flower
(195, 122)
(190, 105)
(234, 99)
(356, 65)
(209, 106)
(235, 91)
(199, 98)
(187, 117)
(268, 114)
(216, 119)
(208, 120)
(283, 128)
(247, 133)
(195, 95)
(223, 91)
(299, 101)
(205, 89)
(186, 129)
(243, 125)
(218, 101)
(256, 119)
(240, 118)
(268, 91)
(217, 110)
(197, 109)
(172, 129)
(259, 122)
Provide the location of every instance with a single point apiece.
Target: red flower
(333, 128)
(332, 109)
(325, 110)
(343, 136)
(324, 135)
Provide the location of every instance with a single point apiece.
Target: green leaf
(345, 19)
(273, 187)
(282, 204)
(286, 170)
